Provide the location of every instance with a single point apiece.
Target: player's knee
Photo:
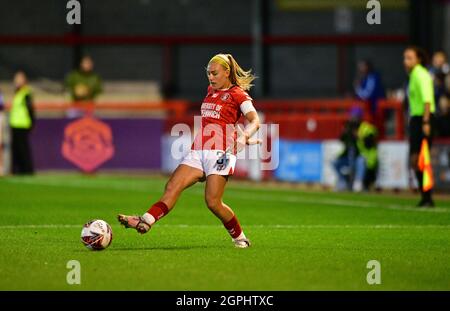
(213, 201)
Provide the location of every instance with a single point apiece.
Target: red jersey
(221, 110)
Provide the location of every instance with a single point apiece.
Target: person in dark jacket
(368, 87)
(345, 162)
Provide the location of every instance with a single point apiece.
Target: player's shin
(156, 212)
(234, 228)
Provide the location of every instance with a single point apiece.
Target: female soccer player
(212, 155)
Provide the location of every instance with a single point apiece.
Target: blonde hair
(238, 76)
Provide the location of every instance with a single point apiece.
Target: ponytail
(238, 76)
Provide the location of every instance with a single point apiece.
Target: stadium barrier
(171, 108)
(324, 118)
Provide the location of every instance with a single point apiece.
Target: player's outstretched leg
(215, 186)
(142, 224)
(183, 177)
(136, 222)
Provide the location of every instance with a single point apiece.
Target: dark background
(171, 42)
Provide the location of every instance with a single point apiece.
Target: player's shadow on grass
(164, 248)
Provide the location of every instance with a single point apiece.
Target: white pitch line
(84, 185)
(339, 202)
(56, 226)
(274, 226)
(247, 195)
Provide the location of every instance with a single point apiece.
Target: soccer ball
(96, 235)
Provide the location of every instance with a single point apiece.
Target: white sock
(241, 236)
(149, 218)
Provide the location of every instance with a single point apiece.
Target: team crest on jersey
(225, 97)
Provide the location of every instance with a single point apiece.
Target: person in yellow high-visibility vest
(421, 112)
(367, 162)
(2, 107)
(21, 121)
(356, 167)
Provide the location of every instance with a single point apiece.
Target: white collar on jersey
(226, 88)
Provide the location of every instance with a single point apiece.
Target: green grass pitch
(302, 240)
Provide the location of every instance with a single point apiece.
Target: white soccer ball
(96, 234)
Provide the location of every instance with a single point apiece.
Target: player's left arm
(251, 128)
(244, 135)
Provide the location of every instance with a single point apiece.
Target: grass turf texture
(302, 240)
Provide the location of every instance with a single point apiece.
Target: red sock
(233, 227)
(158, 210)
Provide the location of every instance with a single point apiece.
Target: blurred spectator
(344, 164)
(2, 103)
(83, 84)
(21, 121)
(368, 86)
(367, 162)
(439, 71)
(357, 165)
(443, 119)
